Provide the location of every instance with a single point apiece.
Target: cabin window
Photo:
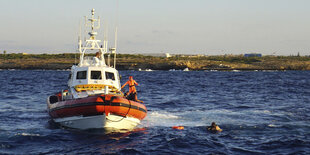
(109, 75)
(96, 75)
(81, 75)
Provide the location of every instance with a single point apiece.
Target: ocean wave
(259, 112)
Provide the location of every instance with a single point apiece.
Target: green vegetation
(130, 61)
(37, 56)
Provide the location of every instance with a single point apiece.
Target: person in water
(96, 59)
(214, 127)
(132, 94)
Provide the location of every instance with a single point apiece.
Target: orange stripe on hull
(97, 105)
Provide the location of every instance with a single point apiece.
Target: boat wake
(169, 119)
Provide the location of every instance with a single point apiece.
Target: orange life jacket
(131, 84)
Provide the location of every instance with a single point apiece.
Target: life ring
(178, 127)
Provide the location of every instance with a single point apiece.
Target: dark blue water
(259, 112)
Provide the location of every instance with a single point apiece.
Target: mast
(92, 43)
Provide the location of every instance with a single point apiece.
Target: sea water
(260, 113)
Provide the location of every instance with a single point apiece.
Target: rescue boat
(94, 98)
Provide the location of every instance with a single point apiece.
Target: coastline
(140, 62)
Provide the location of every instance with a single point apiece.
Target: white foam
(169, 119)
(262, 111)
(162, 114)
(271, 125)
(28, 134)
(161, 118)
(201, 117)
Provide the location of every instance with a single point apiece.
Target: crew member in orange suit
(132, 94)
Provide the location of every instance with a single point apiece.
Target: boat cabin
(92, 79)
(94, 75)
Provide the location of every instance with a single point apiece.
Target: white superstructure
(93, 75)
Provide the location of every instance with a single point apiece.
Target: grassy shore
(135, 62)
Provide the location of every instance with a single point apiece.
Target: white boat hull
(110, 122)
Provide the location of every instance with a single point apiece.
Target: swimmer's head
(214, 127)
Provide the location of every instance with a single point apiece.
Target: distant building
(253, 55)
(196, 56)
(168, 55)
(165, 55)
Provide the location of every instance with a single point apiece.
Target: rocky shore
(136, 62)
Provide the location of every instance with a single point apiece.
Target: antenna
(113, 50)
(115, 38)
(74, 58)
(115, 47)
(105, 42)
(80, 35)
(85, 25)
(106, 45)
(106, 30)
(79, 40)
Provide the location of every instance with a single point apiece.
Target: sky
(211, 27)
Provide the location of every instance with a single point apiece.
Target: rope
(122, 116)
